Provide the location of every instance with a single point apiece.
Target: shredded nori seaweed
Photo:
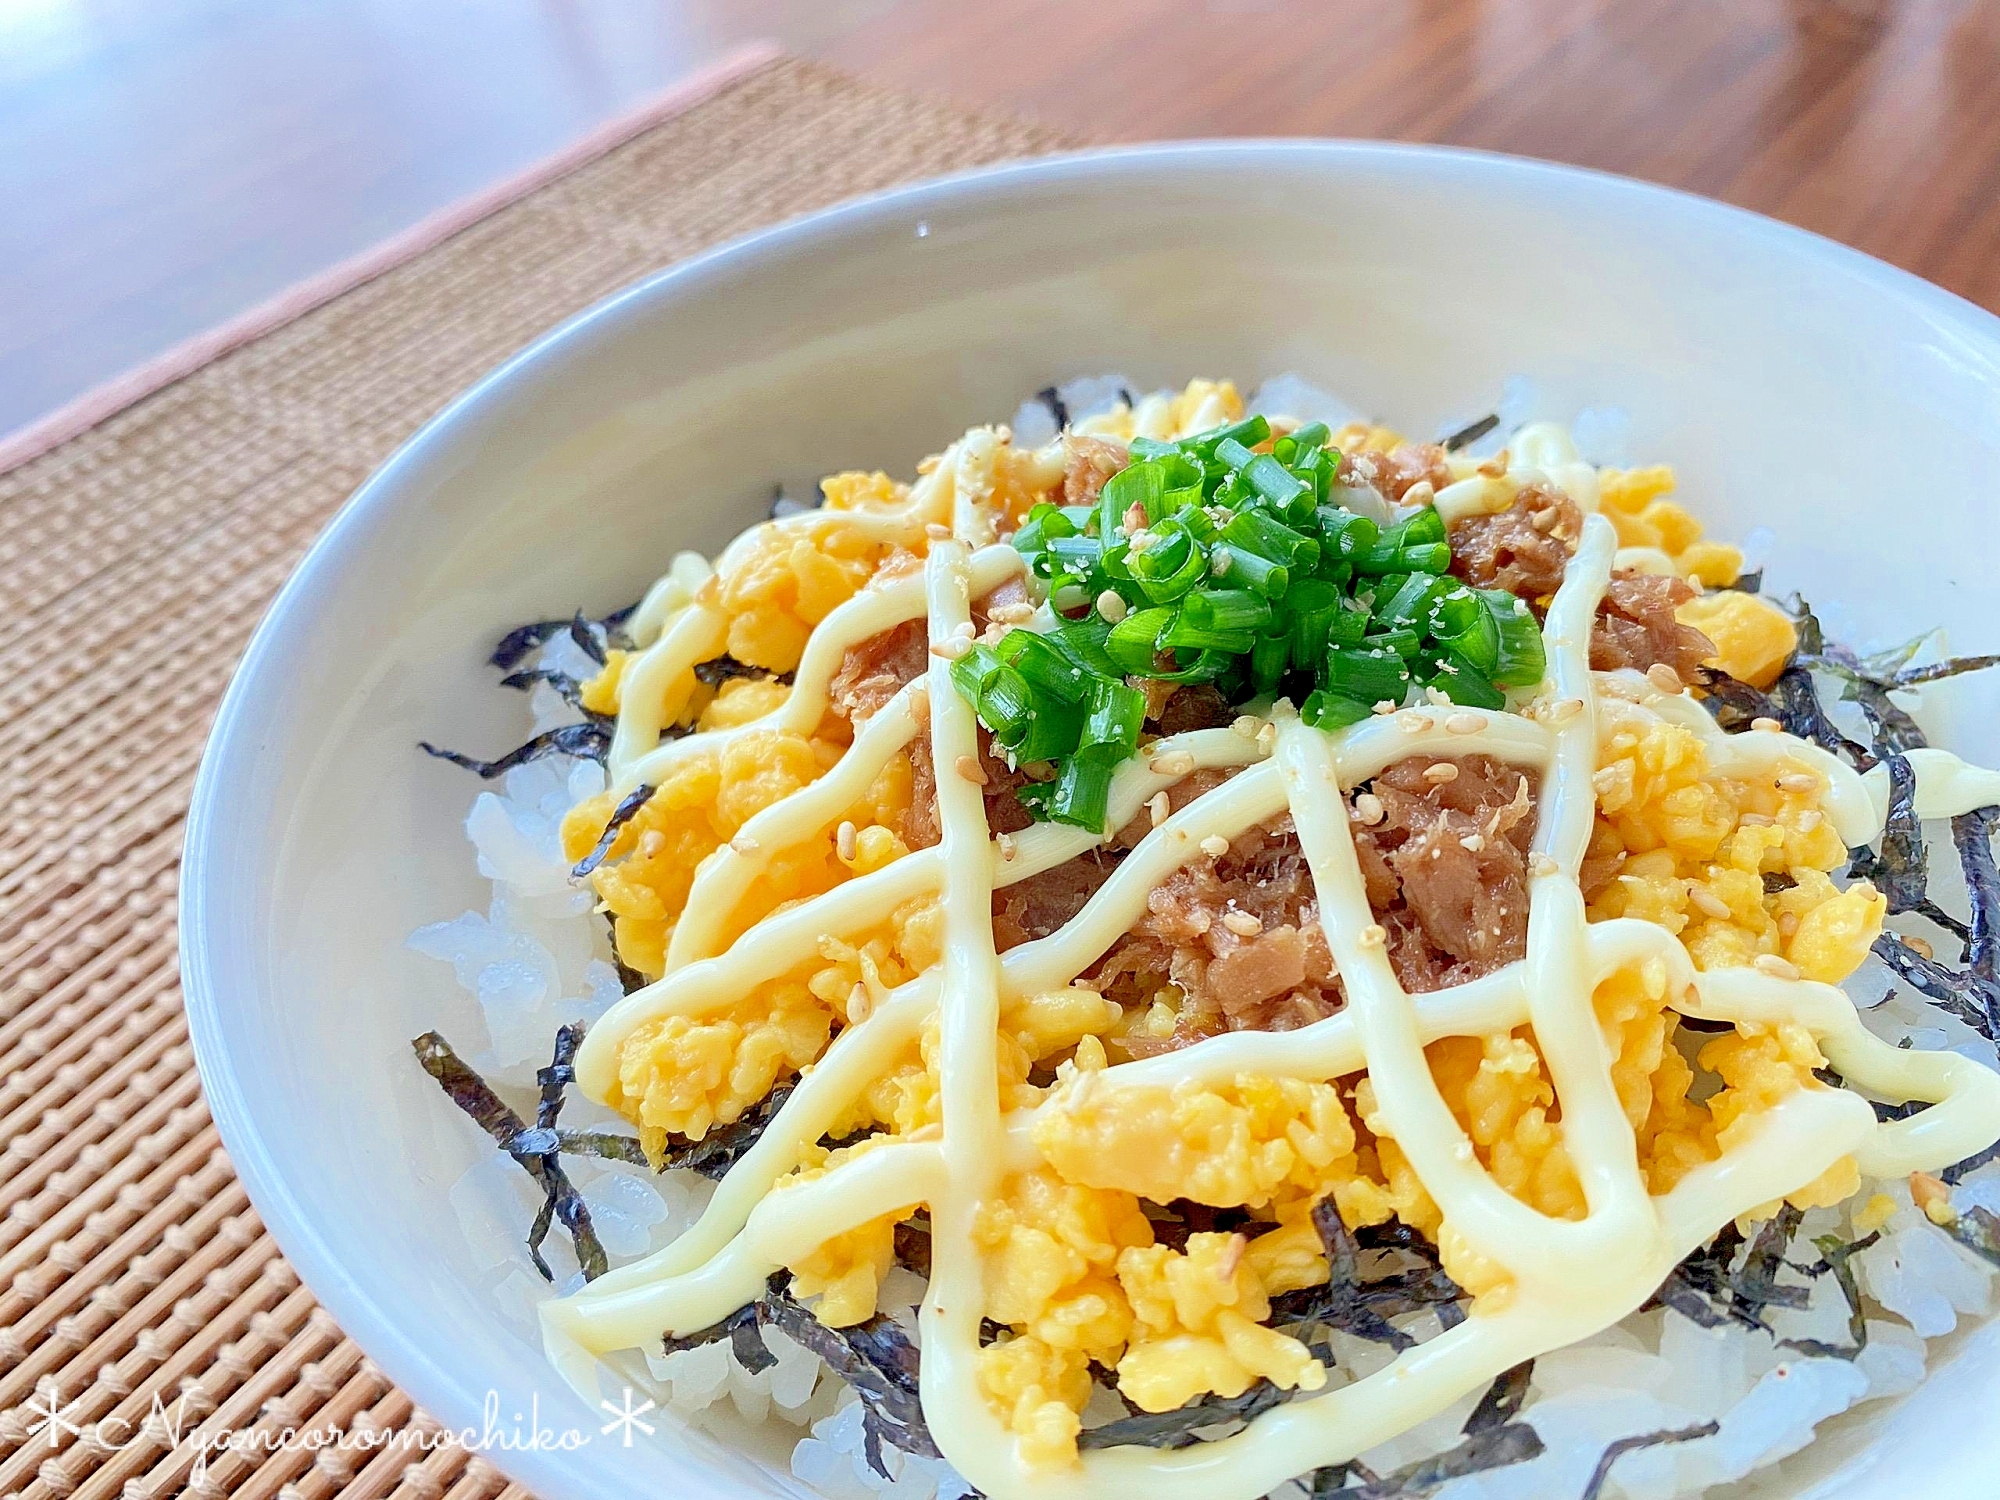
(1471, 432)
(1493, 1439)
(591, 635)
(1977, 1229)
(1050, 397)
(1363, 1307)
(1178, 1428)
(623, 813)
(875, 1357)
(715, 1153)
(570, 690)
(1835, 1256)
(1755, 1287)
(719, 669)
(589, 740)
(518, 642)
(538, 1155)
(1625, 1445)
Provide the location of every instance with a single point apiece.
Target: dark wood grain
(162, 167)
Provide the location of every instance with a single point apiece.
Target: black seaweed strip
(586, 741)
(1959, 1170)
(519, 641)
(1696, 1286)
(1503, 1399)
(590, 637)
(623, 813)
(714, 1333)
(1979, 1231)
(913, 1244)
(1972, 833)
(1836, 1255)
(1755, 1286)
(471, 1093)
(1050, 397)
(1176, 1428)
(606, 1145)
(1625, 1445)
(1494, 1448)
(715, 1153)
(1898, 870)
(1910, 677)
(558, 1075)
(1972, 997)
(1343, 1304)
(875, 1357)
(718, 670)
(1747, 583)
(1471, 432)
(570, 690)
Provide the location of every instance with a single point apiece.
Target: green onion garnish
(1219, 559)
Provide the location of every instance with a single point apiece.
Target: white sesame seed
(920, 704)
(1372, 936)
(1111, 605)
(1756, 820)
(1776, 967)
(1810, 819)
(1707, 902)
(1159, 808)
(1541, 866)
(1215, 846)
(1242, 923)
(1766, 725)
(1267, 737)
(968, 767)
(1423, 492)
(1476, 842)
(1386, 706)
(1463, 723)
(651, 842)
(952, 647)
(1412, 722)
(1663, 677)
(937, 531)
(1006, 843)
(1247, 725)
(1565, 709)
(1798, 781)
(1368, 807)
(859, 1005)
(1012, 614)
(1440, 773)
(1173, 763)
(744, 844)
(843, 840)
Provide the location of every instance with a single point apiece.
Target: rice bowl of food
(1320, 932)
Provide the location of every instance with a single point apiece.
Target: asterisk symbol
(624, 1419)
(54, 1415)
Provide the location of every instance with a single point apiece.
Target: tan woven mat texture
(134, 561)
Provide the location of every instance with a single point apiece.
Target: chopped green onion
(1049, 672)
(1134, 641)
(1259, 532)
(1270, 656)
(1227, 609)
(1117, 713)
(1369, 674)
(1463, 683)
(1081, 792)
(1324, 710)
(1230, 562)
(1431, 557)
(1519, 658)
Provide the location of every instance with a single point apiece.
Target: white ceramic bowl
(1797, 384)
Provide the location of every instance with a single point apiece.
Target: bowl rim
(403, 1353)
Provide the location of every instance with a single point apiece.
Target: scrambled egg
(1692, 849)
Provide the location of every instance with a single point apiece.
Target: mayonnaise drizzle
(1567, 1278)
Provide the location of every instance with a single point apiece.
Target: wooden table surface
(163, 166)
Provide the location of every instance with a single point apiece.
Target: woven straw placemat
(136, 1283)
